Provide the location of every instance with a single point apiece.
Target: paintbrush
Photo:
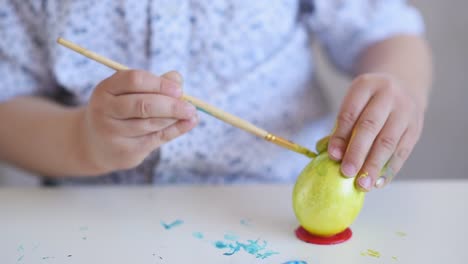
(200, 105)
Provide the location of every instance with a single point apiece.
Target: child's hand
(132, 113)
(379, 122)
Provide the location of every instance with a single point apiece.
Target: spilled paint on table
(154, 255)
(220, 244)
(84, 230)
(231, 237)
(371, 253)
(252, 247)
(175, 223)
(198, 235)
(400, 234)
(20, 251)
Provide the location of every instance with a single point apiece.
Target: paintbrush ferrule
(290, 145)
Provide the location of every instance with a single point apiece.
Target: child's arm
(129, 115)
(42, 136)
(382, 115)
(406, 57)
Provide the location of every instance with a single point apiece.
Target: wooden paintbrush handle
(225, 116)
(205, 107)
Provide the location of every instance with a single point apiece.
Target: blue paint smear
(231, 237)
(198, 235)
(234, 248)
(171, 225)
(20, 248)
(203, 110)
(252, 247)
(20, 258)
(268, 254)
(295, 262)
(220, 244)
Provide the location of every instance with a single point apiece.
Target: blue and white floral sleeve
(24, 68)
(347, 27)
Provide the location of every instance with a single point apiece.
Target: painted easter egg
(324, 201)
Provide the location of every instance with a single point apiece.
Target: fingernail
(349, 170)
(380, 182)
(365, 182)
(176, 76)
(336, 153)
(190, 110)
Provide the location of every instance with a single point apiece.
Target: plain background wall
(442, 151)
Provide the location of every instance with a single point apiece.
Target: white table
(122, 225)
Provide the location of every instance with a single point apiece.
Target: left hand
(378, 124)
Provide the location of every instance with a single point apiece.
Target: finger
(138, 81)
(138, 127)
(401, 154)
(364, 133)
(174, 76)
(382, 149)
(149, 106)
(181, 127)
(353, 104)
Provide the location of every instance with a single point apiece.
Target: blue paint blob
(295, 262)
(171, 225)
(252, 247)
(230, 236)
(20, 248)
(220, 244)
(198, 235)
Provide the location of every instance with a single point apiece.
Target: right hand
(130, 114)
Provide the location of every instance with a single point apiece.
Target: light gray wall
(443, 149)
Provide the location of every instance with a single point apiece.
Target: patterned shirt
(250, 58)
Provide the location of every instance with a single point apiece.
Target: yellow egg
(324, 201)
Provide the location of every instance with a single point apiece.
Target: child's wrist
(83, 145)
